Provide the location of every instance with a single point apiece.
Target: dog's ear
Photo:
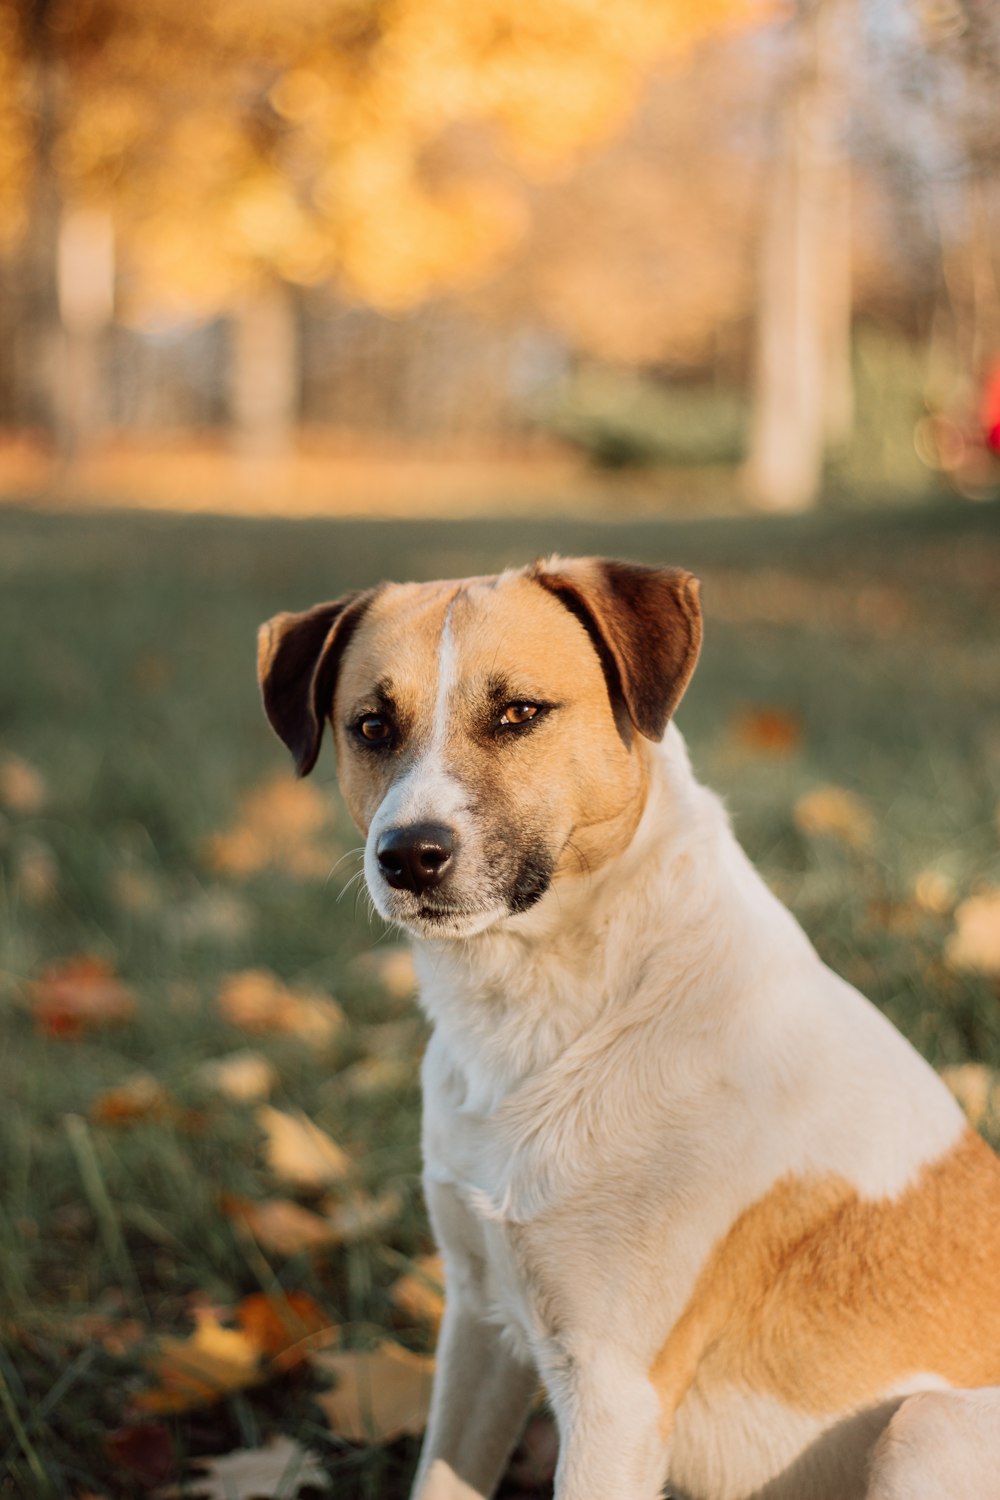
(645, 624)
(298, 657)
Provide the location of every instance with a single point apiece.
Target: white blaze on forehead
(427, 793)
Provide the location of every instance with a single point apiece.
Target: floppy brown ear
(298, 657)
(645, 624)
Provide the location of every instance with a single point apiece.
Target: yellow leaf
(257, 1001)
(837, 813)
(299, 1152)
(977, 1089)
(202, 1368)
(242, 1076)
(380, 1393)
(419, 1295)
(975, 943)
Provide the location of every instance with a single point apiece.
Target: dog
(678, 1169)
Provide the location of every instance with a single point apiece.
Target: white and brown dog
(677, 1167)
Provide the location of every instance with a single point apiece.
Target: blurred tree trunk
(802, 381)
(264, 372)
(38, 352)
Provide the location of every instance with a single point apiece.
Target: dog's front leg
(611, 1443)
(482, 1390)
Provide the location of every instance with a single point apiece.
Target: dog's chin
(434, 923)
(449, 920)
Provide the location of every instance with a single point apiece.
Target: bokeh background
(297, 296)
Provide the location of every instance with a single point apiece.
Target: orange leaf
(141, 1097)
(768, 731)
(78, 994)
(284, 1329)
(22, 788)
(380, 1394)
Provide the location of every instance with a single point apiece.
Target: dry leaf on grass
(837, 813)
(22, 786)
(277, 1472)
(284, 1329)
(977, 1089)
(281, 824)
(380, 1393)
(301, 1153)
(244, 1077)
(377, 1075)
(933, 891)
(766, 730)
(419, 1295)
(144, 1450)
(79, 994)
(37, 872)
(200, 1369)
(141, 1097)
(257, 1001)
(282, 1227)
(975, 943)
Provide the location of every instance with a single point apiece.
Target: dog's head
(486, 728)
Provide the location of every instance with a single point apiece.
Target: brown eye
(518, 713)
(374, 729)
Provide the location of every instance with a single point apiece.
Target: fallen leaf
(141, 1097)
(276, 1472)
(934, 892)
(281, 824)
(78, 994)
(280, 1226)
(37, 872)
(144, 1450)
(977, 1089)
(243, 1077)
(767, 730)
(377, 1075)
(419, 1295)
(135, 890)
(22, 787)
(257, 1001)
(284, 1329)
(380, 1394)
(298, 1151)
(283, 1227)
(200, 1369)
(975, 943)
(837, 813)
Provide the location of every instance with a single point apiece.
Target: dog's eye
(519, 713)
(375, 729)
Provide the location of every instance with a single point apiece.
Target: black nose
(415, 858)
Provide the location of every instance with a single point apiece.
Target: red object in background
(990, 409)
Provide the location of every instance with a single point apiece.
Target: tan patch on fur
(826, 1300)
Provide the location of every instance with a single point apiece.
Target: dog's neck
(512, 1000)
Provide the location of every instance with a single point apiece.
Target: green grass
(128, 681)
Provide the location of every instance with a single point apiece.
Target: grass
(857, 650)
